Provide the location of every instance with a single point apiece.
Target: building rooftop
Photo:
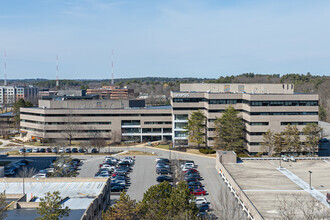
(265, 184)
(77, 193)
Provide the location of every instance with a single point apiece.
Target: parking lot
(143, 175)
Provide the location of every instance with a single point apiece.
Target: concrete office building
(129, 120)
(262, 107)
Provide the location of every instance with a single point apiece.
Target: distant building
(10, 94)
(43, 93)
(111, 92)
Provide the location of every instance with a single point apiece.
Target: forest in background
(155, 87)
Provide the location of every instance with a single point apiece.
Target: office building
(10, 94)
(262, 107)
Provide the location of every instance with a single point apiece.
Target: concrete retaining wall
(241, 197)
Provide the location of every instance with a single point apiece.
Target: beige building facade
(262, 107)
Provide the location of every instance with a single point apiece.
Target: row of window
(57, 131)
(146, 130)
(251, 103)
(298, 123)
(63, 123)
(157, 122)
(93, 115)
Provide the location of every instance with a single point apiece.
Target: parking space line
(313, 192)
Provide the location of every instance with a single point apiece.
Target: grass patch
(15, 152)
(163, 146)
(196, 151)
(135, 153)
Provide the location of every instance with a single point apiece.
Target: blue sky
(196, 38)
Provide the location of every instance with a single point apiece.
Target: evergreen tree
(229, 131)
(125, 208)
(16, 110)
(50, 207)
(292, 139)
(196, 128)
(166, 202)
(322, 113)
(312, 134)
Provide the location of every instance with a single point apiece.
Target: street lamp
(23, 169)
(310, 179)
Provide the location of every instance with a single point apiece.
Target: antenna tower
(112, 80)
(5, 68)
(57, 82)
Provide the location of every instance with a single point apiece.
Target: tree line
(229, 135)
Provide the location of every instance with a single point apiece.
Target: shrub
(206, 151)
(242, 155)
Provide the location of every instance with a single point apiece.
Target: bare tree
(297, 206)
(229, 207)
(269, 142)
(70, 127)
(26, 172)
(4, 129)
(115, 137)
(3, 206)
(95, 140)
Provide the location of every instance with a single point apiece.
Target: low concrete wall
(99, 204)
(27, 205)
(241, 197)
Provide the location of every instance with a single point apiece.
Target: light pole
(23, 169)
(280, 162)
(310, 179)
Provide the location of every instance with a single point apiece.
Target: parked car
(9, 172)
(28, 150)
(74, 150)
(94, 151)
(194, 183)
(163, 178)
(42, 150)
(61, 150)
(54, 150)
(191, 170)
(198, 191)
(117, 188)
(81, 150)
(35, 150)
(194, 175)
(204, 207)
(103, 175)
(163, 171)
(162, 165)
(328, 198)
(200, 200)
(48, 150)
(40, 175)
(22, 150)
(190, 179)
(68, 150)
